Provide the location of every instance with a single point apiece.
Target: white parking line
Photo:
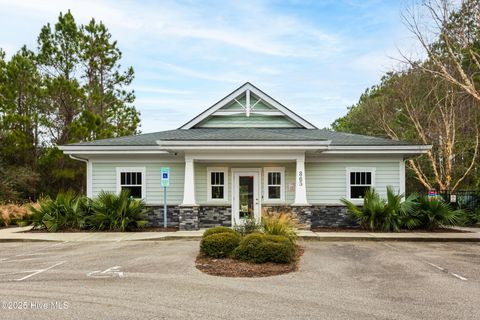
(448, 272)
(35, 272)
(458, 276)
(431, 264)
(108, 273)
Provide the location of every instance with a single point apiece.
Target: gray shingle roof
(246, 134)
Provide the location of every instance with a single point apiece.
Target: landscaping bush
(281, 224)
(117, 212)
(66, 211)
(248, 225)
(434, 213)
(217, 230)
(12, 213)
(379, 214)
(219, 245)
(261, 248)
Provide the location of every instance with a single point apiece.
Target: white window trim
(266, 170)
(347, 179)
(132, 169)
(209, 183)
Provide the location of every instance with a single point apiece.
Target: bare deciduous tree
(454, 54)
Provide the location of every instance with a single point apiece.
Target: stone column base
(188, 218)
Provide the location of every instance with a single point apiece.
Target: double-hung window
(274, 184)
(217, 184)
(133, 180)
(359, 180)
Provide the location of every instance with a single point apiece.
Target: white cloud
(188, 55)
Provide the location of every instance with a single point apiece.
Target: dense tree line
(433, 101)
(72, 88)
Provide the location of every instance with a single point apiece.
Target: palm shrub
(117, 212)
(435, 213)
(280, 224)
(389, 214)
(66, 211)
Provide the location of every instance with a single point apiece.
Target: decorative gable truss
(248, 106)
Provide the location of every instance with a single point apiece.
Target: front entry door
(246, 195)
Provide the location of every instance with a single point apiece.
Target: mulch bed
(148, 229)
(438, 230)
(233, 268)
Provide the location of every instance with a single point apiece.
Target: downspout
(88, 177)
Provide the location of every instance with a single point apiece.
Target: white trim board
(260, 94)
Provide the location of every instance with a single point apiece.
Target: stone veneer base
(194, 218)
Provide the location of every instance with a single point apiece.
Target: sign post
(165, 182)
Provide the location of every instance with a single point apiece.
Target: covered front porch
(224, 188)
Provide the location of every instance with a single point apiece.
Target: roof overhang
(85, 149)
(389, 149)
(167, 146)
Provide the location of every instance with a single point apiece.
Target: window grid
(360, 182)
(217, 185)
(274, 181)
(132, 181)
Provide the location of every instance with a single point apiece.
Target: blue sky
(316, 57)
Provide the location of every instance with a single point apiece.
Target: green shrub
(280, 224)
(247, 226)
(261, 248)
(66, 211)
(219, 245)
(434, 213)
(117, 212)
(379, 214)
(217, 230)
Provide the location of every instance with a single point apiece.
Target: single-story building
(245, 154)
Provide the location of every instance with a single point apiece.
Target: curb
(398, 239)
(27, 240)
(305, 238)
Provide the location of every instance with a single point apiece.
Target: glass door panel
(246, 195)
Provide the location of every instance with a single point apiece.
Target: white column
(402, 177)
(89, 179)
(300, 184)
(189, 184)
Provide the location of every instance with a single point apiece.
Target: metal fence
(459, 199)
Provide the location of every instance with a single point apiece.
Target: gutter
(79, 159)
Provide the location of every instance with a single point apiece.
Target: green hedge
(217, 230)
(219, 245)
(261, 248)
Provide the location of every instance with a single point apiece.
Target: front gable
(248, 107)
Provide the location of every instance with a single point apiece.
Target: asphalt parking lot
(158, 280)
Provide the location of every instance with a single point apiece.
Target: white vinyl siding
(104, 177)
(326, 181)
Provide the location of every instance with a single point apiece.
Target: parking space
(158, 279)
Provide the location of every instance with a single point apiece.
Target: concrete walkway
(19, 234)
